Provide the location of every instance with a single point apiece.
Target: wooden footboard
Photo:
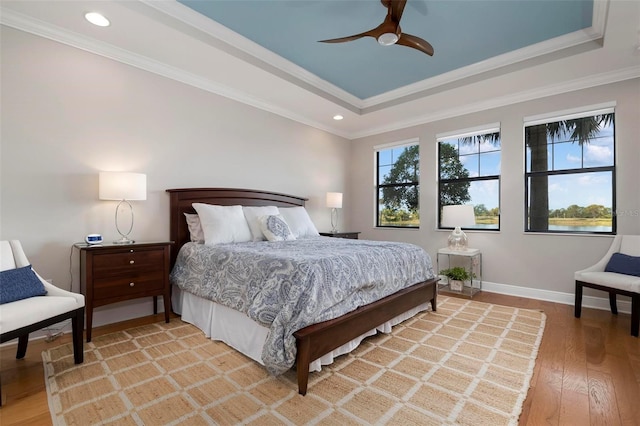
(319, 339)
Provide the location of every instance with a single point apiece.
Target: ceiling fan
(389, 31)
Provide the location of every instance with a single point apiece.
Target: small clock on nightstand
(348, 235)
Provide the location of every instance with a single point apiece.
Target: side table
(111, 273)
(470, 259)
(348, 235)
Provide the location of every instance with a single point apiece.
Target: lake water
(557, 228)
(580, 228)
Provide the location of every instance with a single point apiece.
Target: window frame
(556, 117)
(378, 186)
(459, 134)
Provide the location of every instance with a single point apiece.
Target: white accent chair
(611, 282)
(19, 318)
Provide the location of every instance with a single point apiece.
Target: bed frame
(315, 340)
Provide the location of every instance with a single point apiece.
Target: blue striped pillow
(19, 283)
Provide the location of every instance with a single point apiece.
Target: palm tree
(582, 130)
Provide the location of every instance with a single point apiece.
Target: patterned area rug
(470, 363)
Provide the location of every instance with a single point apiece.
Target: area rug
(469, 363)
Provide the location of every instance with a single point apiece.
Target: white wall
(68, 114)
(539, 264)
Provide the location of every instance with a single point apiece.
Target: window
(570, 173)
(469, 173)
(397, 186)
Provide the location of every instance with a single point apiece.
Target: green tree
(452, 193)
(480, 210)
(581, 130)
(594, 211)
(405, 170)
(451, 168)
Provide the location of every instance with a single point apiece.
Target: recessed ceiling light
(97, 19)
(338, 117)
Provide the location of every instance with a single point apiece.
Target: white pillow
(253, 215)
(195, 229)
(222, 224)
(275, 228)
(299, 222)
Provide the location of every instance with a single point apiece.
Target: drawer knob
(132, 262)
(131, 251)
(131, 284)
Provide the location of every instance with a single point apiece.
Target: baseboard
(602, 303)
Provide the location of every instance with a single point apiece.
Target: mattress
(285, 286)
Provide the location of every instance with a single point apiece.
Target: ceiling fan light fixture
(387, 39)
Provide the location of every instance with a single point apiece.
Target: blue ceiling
(462, 32)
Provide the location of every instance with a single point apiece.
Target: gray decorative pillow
(275, 228)
(195, 228)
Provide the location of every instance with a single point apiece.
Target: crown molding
(43, 29)
(501, 61)
(212, 28)
(190, 17)
(25, 23)
(528, 95)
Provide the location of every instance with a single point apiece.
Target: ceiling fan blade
(397, 7)
(416, 43)
(375, 33)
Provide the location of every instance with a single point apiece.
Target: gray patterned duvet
(288, 285)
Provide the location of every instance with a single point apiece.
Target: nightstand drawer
(108, 288)
(127, 261)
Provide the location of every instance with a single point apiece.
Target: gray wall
(539, 265)
(68, 114)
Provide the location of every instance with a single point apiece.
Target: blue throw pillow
(624, 264)
(19, 283)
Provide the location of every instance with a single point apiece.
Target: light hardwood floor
(587, 371)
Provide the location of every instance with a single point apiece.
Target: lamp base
(125, 236)
(334, 220)
(124, 240)
(458, 240)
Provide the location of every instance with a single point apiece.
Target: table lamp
(334, 202)
(456, 217)
(124, 187)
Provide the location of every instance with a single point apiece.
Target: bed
(313, 342)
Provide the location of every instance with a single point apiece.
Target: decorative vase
(456, 285)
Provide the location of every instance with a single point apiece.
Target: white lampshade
(334, 200)
(122, 186)
(458, 215)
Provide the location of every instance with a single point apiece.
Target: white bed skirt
(245, 335)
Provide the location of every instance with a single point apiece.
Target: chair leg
(578, 302)
(77, 327)
(22, 346)
(635, 315)
(612, 303)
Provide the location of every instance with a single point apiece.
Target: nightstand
(348, 235)
(111, 273)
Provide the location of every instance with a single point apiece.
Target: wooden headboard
(181, 200)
